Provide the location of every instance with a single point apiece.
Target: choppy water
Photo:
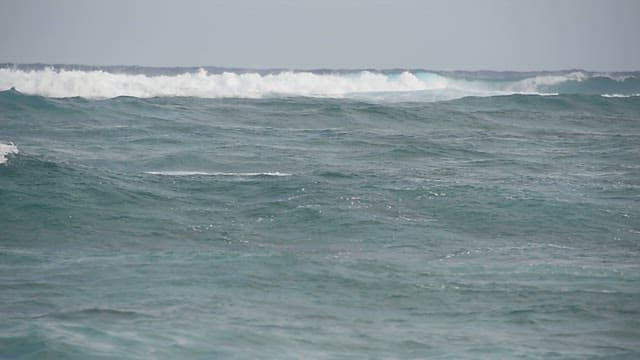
(373, 225)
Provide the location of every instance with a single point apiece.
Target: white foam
(100, 84)
(5, 150)
(202, 173)
(527, 86)
(534, 83)
(620, 95)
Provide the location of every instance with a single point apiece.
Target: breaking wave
(403, 85)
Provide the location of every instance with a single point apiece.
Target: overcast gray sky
(445, 35)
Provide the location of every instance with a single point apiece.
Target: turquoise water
(372, 226)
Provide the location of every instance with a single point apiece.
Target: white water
(99, 84)
(5, 150)
(620, 95)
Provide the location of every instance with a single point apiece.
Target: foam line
(202, 173)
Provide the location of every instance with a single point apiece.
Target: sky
(598, 35)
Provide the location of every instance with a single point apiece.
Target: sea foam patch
(5, 150)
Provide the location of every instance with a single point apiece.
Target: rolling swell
(309, 227)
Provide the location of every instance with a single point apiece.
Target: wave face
(110, 82)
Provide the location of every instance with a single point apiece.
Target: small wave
(620, 95)
(202, 173)
(5, 150)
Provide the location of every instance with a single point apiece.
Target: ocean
(211, 213)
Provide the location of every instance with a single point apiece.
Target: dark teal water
(312, 228)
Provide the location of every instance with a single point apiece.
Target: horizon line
(309, 69)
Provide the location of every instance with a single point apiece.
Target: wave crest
(101, 84)
(419, 85)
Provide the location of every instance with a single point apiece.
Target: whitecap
(5, 150)
(620, 95)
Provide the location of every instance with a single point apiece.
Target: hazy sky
(451, 34)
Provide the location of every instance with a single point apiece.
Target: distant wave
(202, 173)
(620, 95)
(5, 150)
(402, 85)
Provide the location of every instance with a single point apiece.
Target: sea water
(186, 213)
